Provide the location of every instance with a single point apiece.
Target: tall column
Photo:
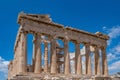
(53, 56)
(104, 62)
(46, 57)
(23, 52)
(66, 58)
(88, 64)
(18, 52)
(37, 42)
(78, 63)
(97, 70)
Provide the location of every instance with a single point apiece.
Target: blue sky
(88, 15)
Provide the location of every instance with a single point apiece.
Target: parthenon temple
(57, 63)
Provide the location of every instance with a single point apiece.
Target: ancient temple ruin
(59, 63)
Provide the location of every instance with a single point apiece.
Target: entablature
(43, 24)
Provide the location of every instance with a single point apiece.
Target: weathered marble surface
(42, 25)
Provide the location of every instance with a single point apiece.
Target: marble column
(78, 63)
(88, 64)
(14, 63)
(18, 51)
(104, 61)
(53, 68)
(66, 58)
(46, 57)
(17, 57)
(23, 52)
(97, 70)
(37, 44)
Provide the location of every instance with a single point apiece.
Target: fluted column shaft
(46, 57)
(23, 52)
(53, 56)
(97, 70)
(78, 63)
(88, 64)
(18, 51)
(66, 58)
(37, 54)
(104, 62)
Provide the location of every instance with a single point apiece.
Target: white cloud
(116, 49)
(111, 57)
(104, 28)
(115, 66)
(114, 53)
(113, 32)
(114, 63)
(3, 67)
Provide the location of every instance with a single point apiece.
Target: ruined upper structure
(42, 25)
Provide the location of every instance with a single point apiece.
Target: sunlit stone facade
(57, 64)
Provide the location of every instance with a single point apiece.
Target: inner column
(66, 57)
(53, 61)
(46, 57)
(104, 62)
(97, 61)
(78, 63)
(88, 60)
(37, 54)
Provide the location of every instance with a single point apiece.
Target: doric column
(37, 53)
(78, 63)
(104, 61)
(46, 57)
(53, 56)
(88, 64)
(18, 52)
(23, 52)
(66, 58)
(97, 70)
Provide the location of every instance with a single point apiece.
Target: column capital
(23, 31)
(103, 47)
(37, 34)
(95, 46)
(86, 44)
(36, 37)
(66, 39)
(53, 37)
(77, 42)
(46, 42)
